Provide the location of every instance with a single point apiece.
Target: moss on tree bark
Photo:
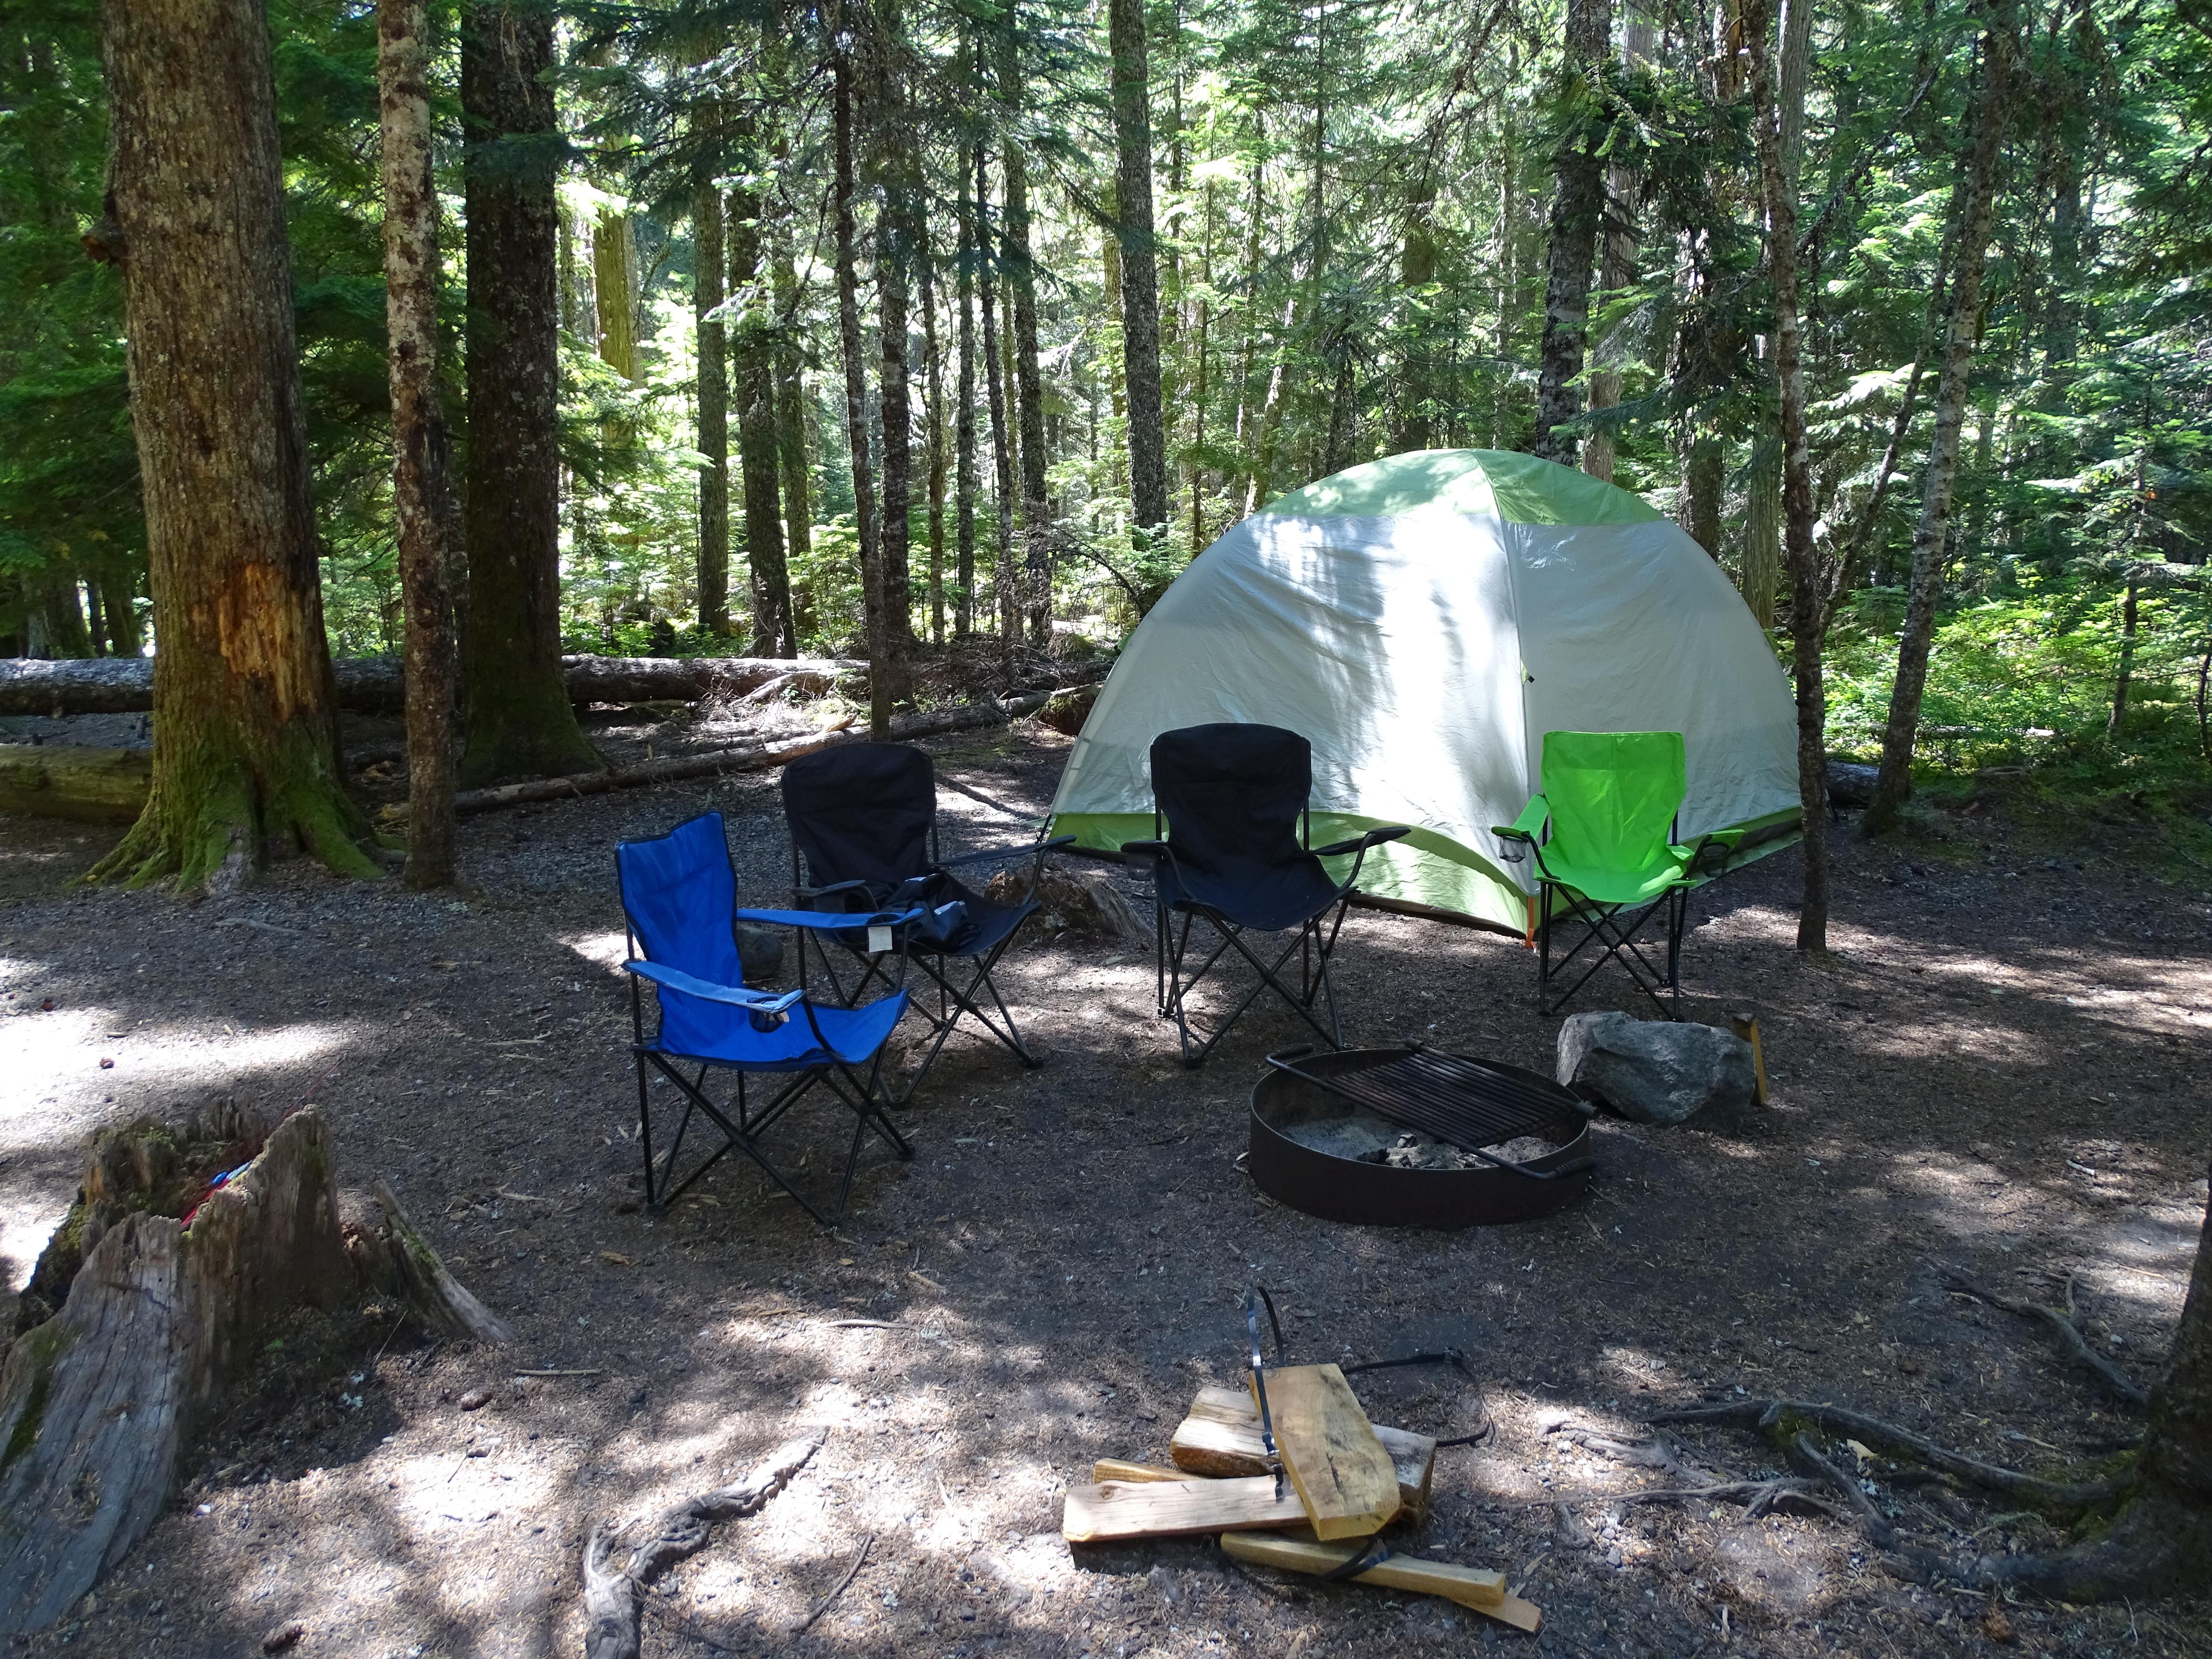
(245, 756)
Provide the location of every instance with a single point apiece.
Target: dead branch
(2069, 1335)
(822, 1606)
(613, 1595)
(1764, 1415)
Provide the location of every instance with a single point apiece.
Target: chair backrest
(678, 891)
(1613, 795)
(1233, 795)
(861, 812)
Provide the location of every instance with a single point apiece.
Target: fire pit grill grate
(1458, 1100)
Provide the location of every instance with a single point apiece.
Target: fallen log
(166, 1292)
(748, 757)
(89, 786)
(374, 685)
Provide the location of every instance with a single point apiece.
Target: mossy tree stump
(157, 1319)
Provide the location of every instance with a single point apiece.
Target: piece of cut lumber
(1116, 1468)
(1221, 1437)
(1343, 1477)
(1175, 1508)
(1471, 1587)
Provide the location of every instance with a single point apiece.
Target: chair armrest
(834, 887)
(1374, 838)
(1526, 829)
(829, 920)
(738, 996)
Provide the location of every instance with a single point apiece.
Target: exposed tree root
(2059, 1496)
(613, 1595)
(2068, 1334)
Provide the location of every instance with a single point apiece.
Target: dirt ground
(2000, 1069)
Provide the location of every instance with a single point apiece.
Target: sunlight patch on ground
(607, 950)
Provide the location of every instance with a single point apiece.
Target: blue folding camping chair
(679, 905)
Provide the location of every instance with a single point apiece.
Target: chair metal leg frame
(1619, 943)
(744, 1133)
(1313, 972)
(953, 1002)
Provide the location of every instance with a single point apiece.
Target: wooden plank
(1471, 1587)
(1343, 1476)
(1115, 1468)
(1221, 1437)
(1175, 1508)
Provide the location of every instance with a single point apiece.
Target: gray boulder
(760, 951)
(1659, 1071)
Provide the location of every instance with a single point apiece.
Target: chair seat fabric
(1610, 886)
(1266, 900)
(694, 1027)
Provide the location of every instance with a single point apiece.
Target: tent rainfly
(1423, 621)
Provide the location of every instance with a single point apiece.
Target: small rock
(760, 951)
(476, 1400)
(1659, 1071)
(283, 1637)
(1081, 900)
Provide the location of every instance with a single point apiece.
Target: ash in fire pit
(1324, 1138)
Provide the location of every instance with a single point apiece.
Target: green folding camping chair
(1603, 836)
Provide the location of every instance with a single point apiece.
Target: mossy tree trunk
(753, 359)
(519, 719)
(1578, 210)
(713, 392)
(1140, 288)
(246, 753)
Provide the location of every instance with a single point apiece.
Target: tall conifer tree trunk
(418, 435)
(713, 404)
(245, 751)
(520, 721)
(759, 459)
(1931, 535)
(1578, 211)
(1028, 376)
(963, 426)
(792, 464)
(1008, 583)
(1141, 282)
(856, 390)
(895, 243)
(933, 371)
(1812, 591)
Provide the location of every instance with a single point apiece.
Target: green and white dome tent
(1423, 621)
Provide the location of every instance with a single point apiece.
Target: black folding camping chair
(1238, 852)
(863, 820)
(679, 903)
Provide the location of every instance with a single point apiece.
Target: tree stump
(166, 1290)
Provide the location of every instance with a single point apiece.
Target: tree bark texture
(1008, 580)
(1140, 282)
(759, 458)
(1931, 535)
(1029, 379)
(98, 1403)
(2118, 717)
(933, 373)
(897, 244)
(796, 471)
(713, 407)
(246, 739)
(518, 717)
(418, 437)
(1577, 212)
(614, 291)
(1616, 261)
(1810, 592)
(856, 394)
(963, 426)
